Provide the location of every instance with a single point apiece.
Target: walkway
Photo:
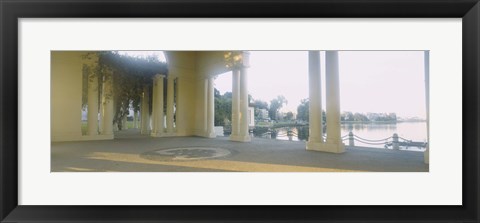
(130, 152)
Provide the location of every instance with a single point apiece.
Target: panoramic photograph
(239, 111)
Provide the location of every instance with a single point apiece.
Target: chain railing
(394, 141)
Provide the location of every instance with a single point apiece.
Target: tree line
(223, 108)
(223, 111)
(347, 116)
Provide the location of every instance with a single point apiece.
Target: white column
(334, 139)
(210, 109)
(158, 115)
(153, 117)
(92, 98)
(124, 123)
(170, 95)
(244, 105)
(101, 110)
(145, 119)
(426, 155)
(235, 104)
(108, 105)
(114, 102)
(135, 119)
(241, 101)
(205, 107)
(141, 114)
(315, 102)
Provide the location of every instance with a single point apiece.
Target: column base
(93, 134)
(211, 135)
(98, 137)
(326, 147)
(240, 138)
(169, 134)
(157, 134)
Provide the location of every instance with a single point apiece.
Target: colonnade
(333, 142)
(103, 124)
(161, 124)
(154, 123)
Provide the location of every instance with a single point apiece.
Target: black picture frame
(11, 11)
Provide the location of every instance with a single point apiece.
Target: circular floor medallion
(186, 154)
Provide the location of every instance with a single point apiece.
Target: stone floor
(131, 152)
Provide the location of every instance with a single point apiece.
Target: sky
(370, 81)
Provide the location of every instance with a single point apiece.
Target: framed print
(144, 111)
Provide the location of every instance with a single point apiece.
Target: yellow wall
(66, 95)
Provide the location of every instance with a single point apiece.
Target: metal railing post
(395, 143)
(351, 140)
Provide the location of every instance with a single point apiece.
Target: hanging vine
(130, 75)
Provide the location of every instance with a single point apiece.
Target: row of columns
(161, 126)
(103, 125)
(333, 142)
(106, 105)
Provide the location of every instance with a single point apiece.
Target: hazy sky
(370, 81)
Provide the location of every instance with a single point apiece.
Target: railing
(394, 141)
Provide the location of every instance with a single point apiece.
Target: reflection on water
(415, 131)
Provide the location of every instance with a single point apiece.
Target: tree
(360, 117)
(223, 108)
(259, 104)
(303, 110)
(216, 93)
(289, 116)
(348, 116)
(275, 105)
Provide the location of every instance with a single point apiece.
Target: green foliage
(223, 108)
(275, 105)
(303, 110)
(289, 116)
(130, 75)
(259, 104)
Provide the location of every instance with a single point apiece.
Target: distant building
(263, 114)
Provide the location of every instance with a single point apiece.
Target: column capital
(156, 76)
(245, 59)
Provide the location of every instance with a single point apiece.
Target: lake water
(415, 131)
